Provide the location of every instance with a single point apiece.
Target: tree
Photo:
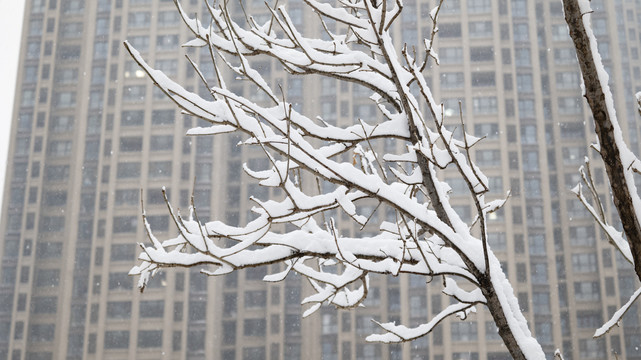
(620, 162)
(427, 237)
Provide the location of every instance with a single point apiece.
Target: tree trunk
(498, 315)
(609, 149)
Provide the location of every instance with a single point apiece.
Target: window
(168, 66)
(152, 309)
(71, 53)
(589, 319)
(599, 26)
(595, 348)
(120, 281)
(117, 339)
(587, 291)
(134, 93)
(61, 124)
(128, 170)
(560, 32)
(480, 53)
(524, 83)
(497, 241)
(451, 55)
(573, 155)
(138, 20)
(30, 74)
(166, 42)
(573, 130)
(131, 144)
(522, 57)
(541, 302)
(168, 18)
(486, 105)
(521, 32)
(528, 134)
(56, 172)
(47, 277)
(464, 331)
(33, 50)
(230, 305)
(64, 99)
(119, 310)
(526, 109)
(55, 198)
(488, 157)
(530, 160)
(71, 30)
(149, 338)
(98, 74)
(483, 79)
(127, 197)
(584, 263)
(28, 97)
(162, 143)
(570, 105)
(66, 76)
(543, 330)
(162, 117)
(52, 223)
(73, 6)
(38, 6)
(532, 187)
(449, 30)
(158, 222)
(254, 353)
(140, 43)
(255, 327)
(125, 224)
(132, 118)
(539, 273)
(495, 184)
(480, 29)
(488, 130)
(536, 241)
(158, 169)
(479, 6)
(564, 56)
(42, 332)
(255, 299)
(102, 26)
(43, 305)
(582, 236)
(123, 252)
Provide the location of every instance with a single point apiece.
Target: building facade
(89, 131)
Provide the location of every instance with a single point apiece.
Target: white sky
(11, 12)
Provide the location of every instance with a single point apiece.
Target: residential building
(89, 131)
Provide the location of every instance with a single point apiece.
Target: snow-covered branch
(426, 237)
(620, 162)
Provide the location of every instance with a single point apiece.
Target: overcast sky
(11, 12)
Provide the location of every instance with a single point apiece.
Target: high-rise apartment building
(90, 131)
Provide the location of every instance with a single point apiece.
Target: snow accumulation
(418, 241)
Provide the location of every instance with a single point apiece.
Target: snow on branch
(427, 236)
(616, 317)
(620, 162)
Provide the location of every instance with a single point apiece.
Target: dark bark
(609, 149)
(498, 315)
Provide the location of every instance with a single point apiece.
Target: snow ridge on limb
(616, 318)
(427, 236)
(620, 163)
